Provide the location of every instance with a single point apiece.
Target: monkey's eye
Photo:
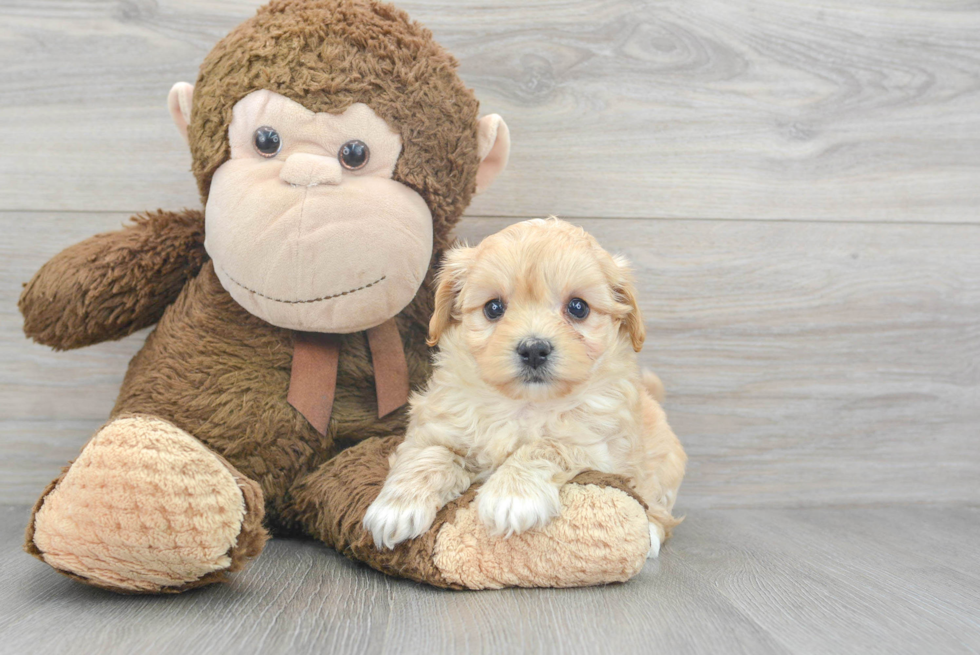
(354, 155)
(577, 308)
(494, 309)
(267, 141)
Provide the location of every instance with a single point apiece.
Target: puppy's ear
(449, 282)
(625, 291)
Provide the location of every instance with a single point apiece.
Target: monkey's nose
(534, 352)
(303, 169)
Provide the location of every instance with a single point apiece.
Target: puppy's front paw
(392, 518)
(510, 504)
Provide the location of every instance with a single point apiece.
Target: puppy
(535, 381)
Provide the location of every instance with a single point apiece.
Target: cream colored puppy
(535, 381)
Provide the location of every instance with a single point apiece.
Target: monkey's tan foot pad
(147, 508)
(601, 536)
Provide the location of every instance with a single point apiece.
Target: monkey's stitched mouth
(311, 300)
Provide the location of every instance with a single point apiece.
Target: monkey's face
(306, 226)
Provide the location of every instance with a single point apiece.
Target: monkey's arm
(113, 284)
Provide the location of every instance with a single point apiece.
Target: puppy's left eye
(577, 308)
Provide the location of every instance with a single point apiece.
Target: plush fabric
(329, 55)
(390, 368)
(313, 376)
(147, 507)
(579, 548)
(114, 284)
(223, 375)
(204, 403)
(283, 273)
(331, 250)
(493, 147)
(601, 536)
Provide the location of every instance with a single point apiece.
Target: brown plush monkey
(335, 148)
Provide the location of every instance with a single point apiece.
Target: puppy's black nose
(534, 352)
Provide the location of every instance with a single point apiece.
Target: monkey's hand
(113, 284)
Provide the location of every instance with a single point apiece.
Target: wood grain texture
(805, 363)
(816, 578)
(304, 599)
(731, 581)
(712, 109)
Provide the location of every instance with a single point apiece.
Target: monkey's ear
(179, 104)
(625, 291)
(493, 147)
(449, 282)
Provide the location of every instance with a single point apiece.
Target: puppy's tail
(653, 385)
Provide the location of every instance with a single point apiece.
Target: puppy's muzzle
(534, 353)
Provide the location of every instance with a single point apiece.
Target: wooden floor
(857, 580)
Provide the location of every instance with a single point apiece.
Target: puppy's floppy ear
(449, 282)
(625, 292)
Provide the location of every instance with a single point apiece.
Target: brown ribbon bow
(313, 379)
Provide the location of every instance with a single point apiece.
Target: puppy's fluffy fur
(490, 415)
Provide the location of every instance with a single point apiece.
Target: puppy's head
(537, 305)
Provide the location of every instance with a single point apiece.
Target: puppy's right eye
(494, 309)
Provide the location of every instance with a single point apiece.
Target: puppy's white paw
(392, 518)
(655, 538)
(510, 505)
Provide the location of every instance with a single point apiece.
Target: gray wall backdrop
(797, 184)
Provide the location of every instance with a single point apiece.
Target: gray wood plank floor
(857, 580)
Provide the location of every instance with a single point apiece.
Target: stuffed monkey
(335, 148)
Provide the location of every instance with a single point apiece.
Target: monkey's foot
(600, 536)
(147, 508)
